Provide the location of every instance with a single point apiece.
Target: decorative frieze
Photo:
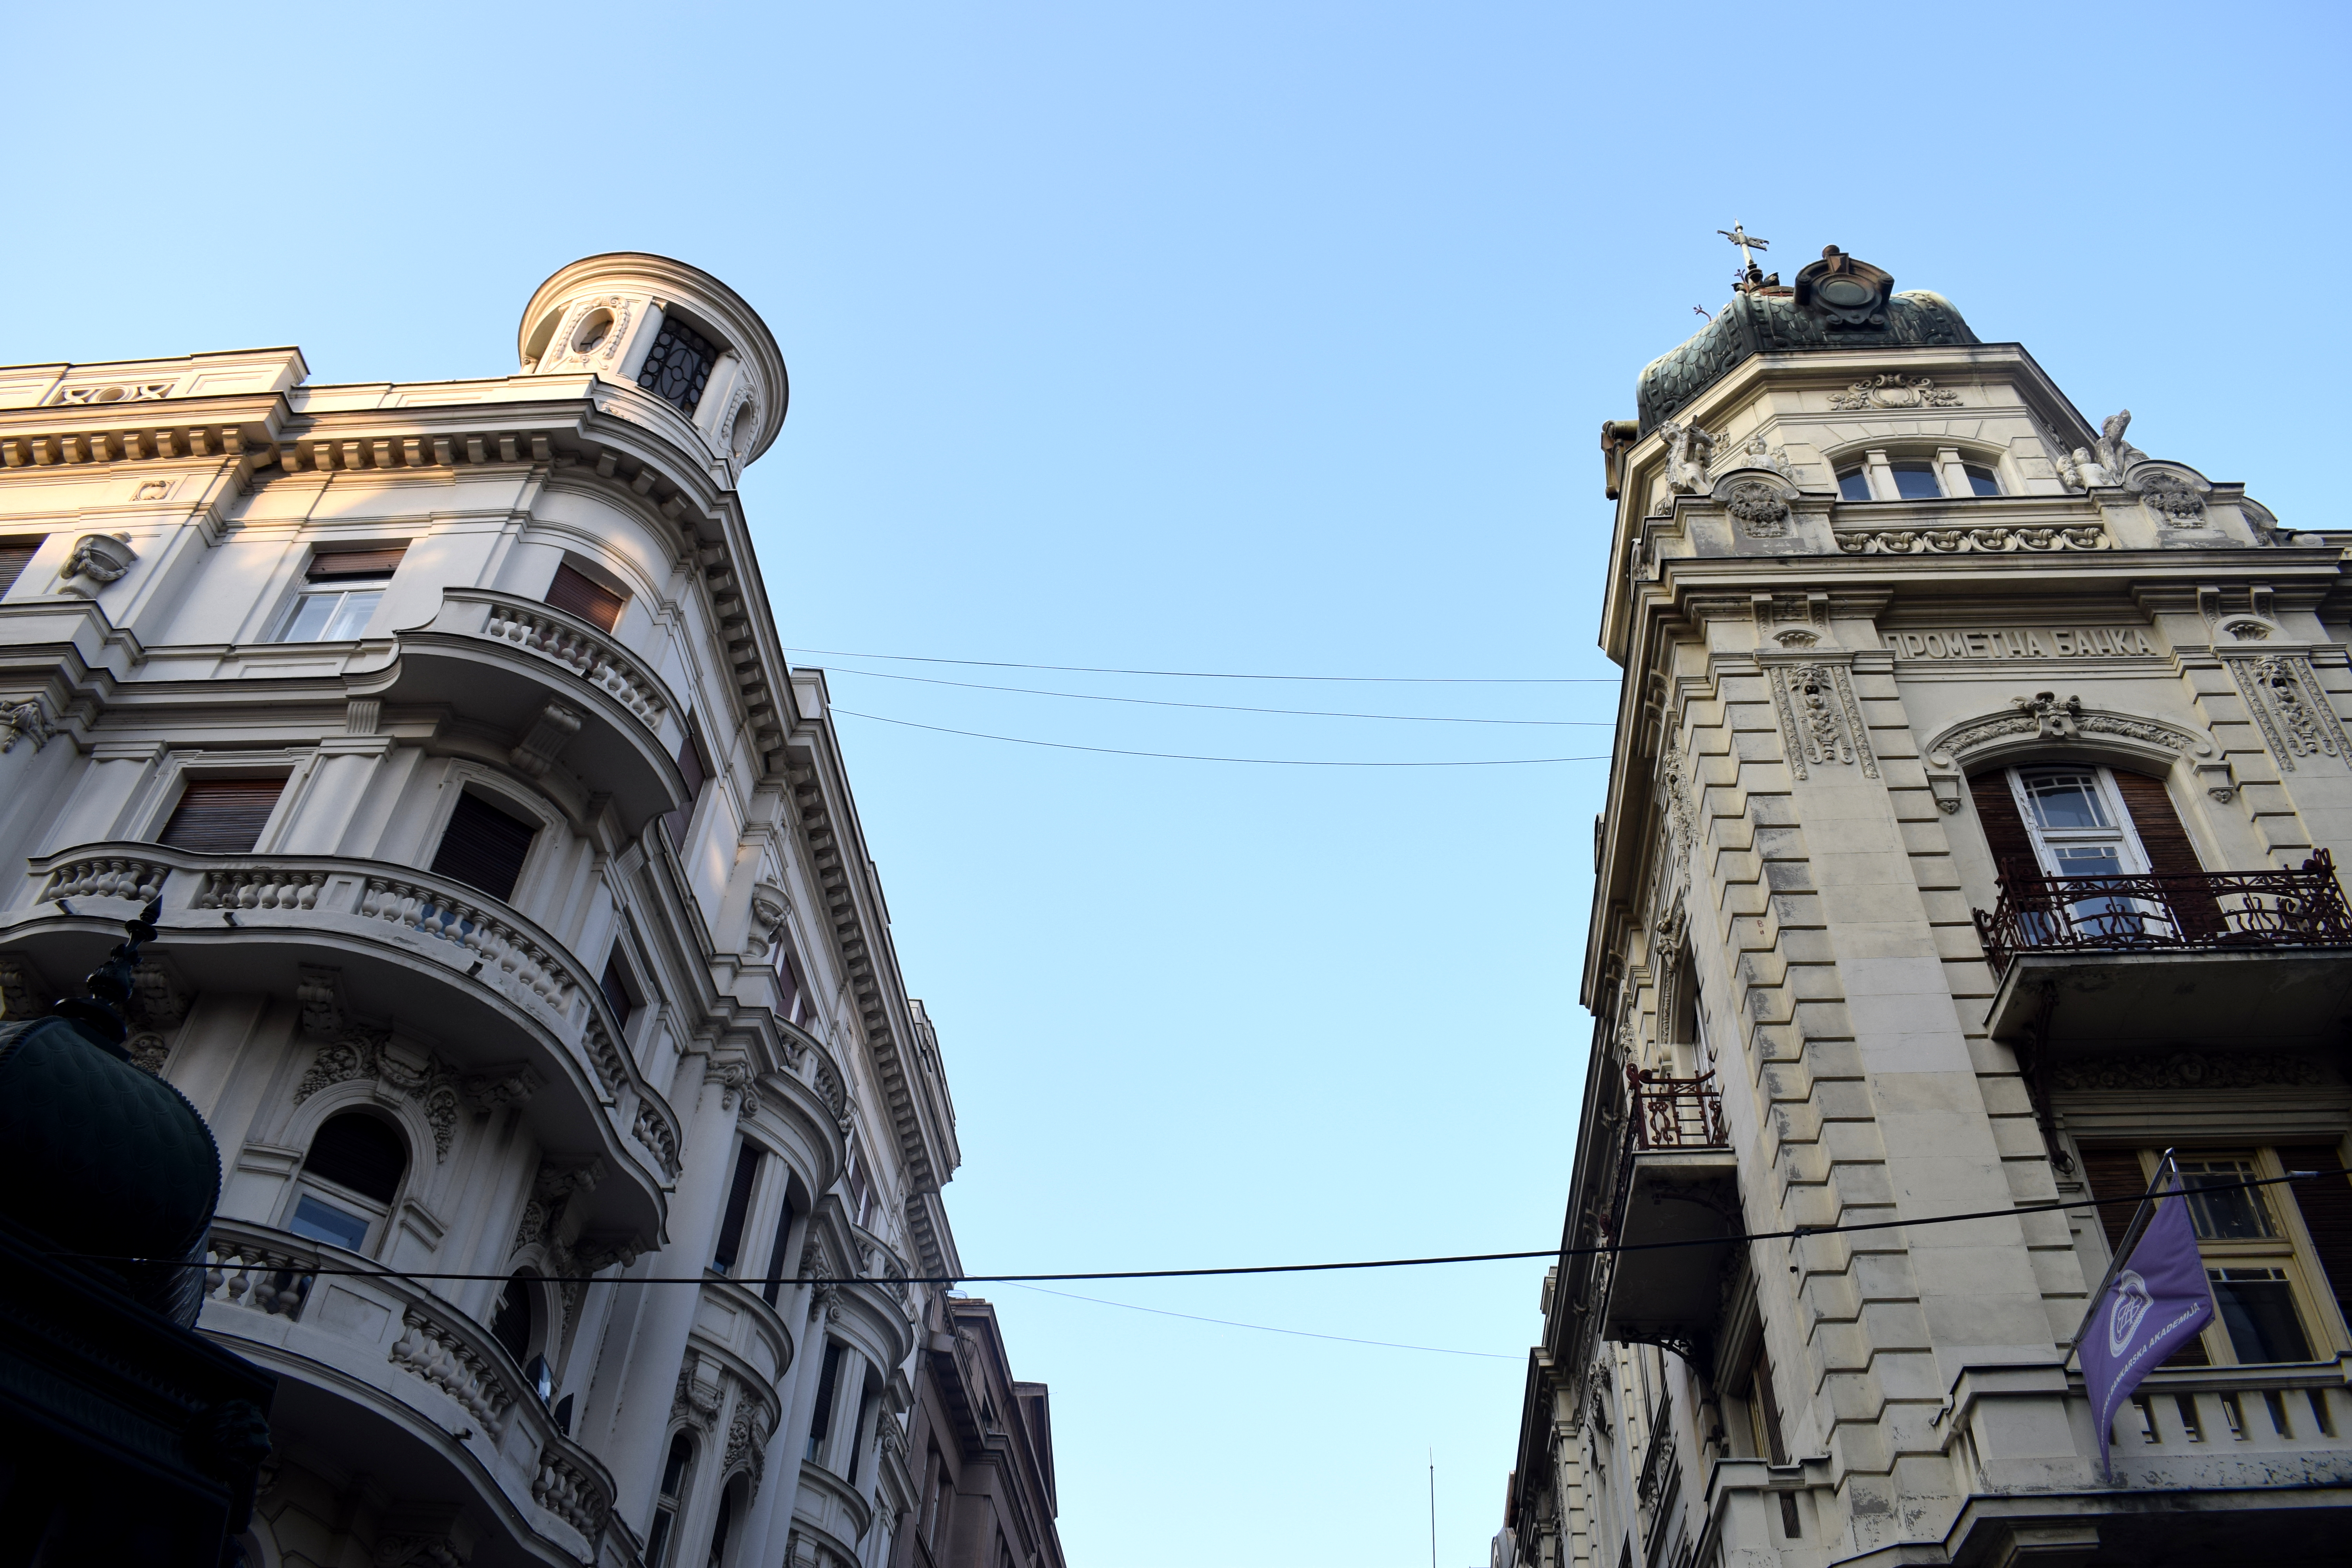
(2188, 1070)
(1892, 391)
(1994, 541)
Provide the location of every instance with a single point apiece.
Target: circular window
(1847, 292)
(593, 331)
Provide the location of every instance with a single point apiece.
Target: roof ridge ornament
(1750, 277)
(1845, 290)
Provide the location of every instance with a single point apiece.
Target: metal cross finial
(1747, 242)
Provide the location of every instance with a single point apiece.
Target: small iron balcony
(2221, 955)
(2303, 907)
(1676, 1191)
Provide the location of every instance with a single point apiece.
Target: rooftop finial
(1750, 277)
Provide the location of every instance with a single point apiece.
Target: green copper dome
(1838, 303)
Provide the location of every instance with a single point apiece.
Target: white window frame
(2132, 857)
(343, 1200)
(343, 588)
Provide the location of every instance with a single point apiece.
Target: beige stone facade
(519, 939)
(1885, 601)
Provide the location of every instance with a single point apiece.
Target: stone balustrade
(391, 1339)
(470, 941)
(577, 648)
(106, 876)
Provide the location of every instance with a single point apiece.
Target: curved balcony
(379, 1374)
(490, 988)
(501, 660)
(741, 1329)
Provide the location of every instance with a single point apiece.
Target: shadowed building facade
(1969, 841)
(517, 927)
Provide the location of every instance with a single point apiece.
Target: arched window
(720, 1531)
(677, 1471)
(513, 1320)
(350, 1178)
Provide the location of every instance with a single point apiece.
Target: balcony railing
(1671, 1112)
(409, 1337)
(2204, 912)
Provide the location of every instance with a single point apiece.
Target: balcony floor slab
(2265, 997)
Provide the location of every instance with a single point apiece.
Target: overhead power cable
(1197, 757)
(1229, 675)
(1794, 1233)
(1222, 707)
(1270, 1329)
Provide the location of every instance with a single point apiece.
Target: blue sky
(1263, 338)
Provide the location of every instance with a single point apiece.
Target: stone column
(634, 1448)
(771, 1520)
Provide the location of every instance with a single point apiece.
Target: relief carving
(1892, 391)
(1821, 721)
(2283, 694)
(1761, 512)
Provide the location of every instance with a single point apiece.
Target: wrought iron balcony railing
(1671, 1112)
(2209, 910)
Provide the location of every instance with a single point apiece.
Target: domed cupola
(102, 1160)
(674, 332)
(1839, 303)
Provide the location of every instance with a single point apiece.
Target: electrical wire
(1269, 1327)
(1794, 1233)
(1227, 674)
(1197, 757)
(1220, 707)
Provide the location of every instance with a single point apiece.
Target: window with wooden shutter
(576, 592)
(2169, 852)
(222, 817)
(696, 771)
(342, 565)
(342, 589)
(16, 555)
(2004, 828)
(483, 846)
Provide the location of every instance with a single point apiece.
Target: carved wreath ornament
(1761, 512)
(2173, 499)
(1891, 391)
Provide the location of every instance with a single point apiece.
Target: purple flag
(2156, 1302)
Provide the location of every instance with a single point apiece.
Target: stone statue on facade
(2117, 455)
(1688, 448)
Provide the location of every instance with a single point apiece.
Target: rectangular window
(576, 593)
(2269, 1269)
(322, 1221)
(858, 1433)
(739, 1205)
(483, 846)
(222, 817)
(775, 1285)
(827, 1378)
(16, 555)
(616, 987)
(697, 770)
(339, 594)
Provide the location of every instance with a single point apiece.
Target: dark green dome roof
(100, 1159)
(1838, 303)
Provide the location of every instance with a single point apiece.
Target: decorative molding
(320, 991)
(2174, 501)
(2192, 1070)
(768, 908)
(836, 1098)
(1996, 541)
(654, 1134)
(2045, 716)
(2285, 696)
(1821, 721)
(24, 720)
(1762, 514)
(1682, 827)
(159, 998)
(544, 741)
(1889, 390)
(25, 991)
(401, 1074)
(1758, 453)
(747, 1444)
(737, 1081)
(149, 1052)
(100, 558)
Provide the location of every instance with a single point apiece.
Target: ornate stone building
(1968, 843)
(518, 932)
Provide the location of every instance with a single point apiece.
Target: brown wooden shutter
(2004, 830)
(577, 594)
(2169, 852)
(15, 556)
(2326, 1206)
(483, 846)
(222, 817)
(2115, 1174)
(377, 560)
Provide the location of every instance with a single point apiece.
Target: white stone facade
(560, 1078)
(1822, 678)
